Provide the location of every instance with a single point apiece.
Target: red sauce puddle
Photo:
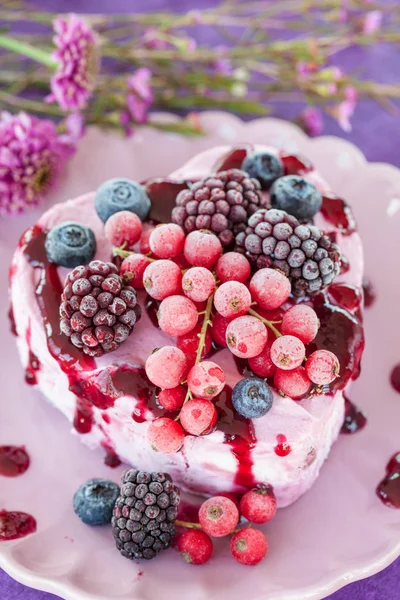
(239, 435)
(395, 378)
(354, 418)
(111, 459)
(15, 525)
(295, 164)
(338, 212)
(14, 461)
(389, 488)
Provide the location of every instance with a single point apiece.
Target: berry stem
(189, 525)
(203, 332)
(269, 324)
(125, 253)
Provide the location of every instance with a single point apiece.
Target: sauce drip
(14, 461)
(389, 488)
(339, 213)
(354, 418)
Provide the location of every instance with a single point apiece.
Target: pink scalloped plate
(336, 533)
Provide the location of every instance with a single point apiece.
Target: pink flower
(303, 70)
(140, 96)
(31, 157)
(78, 62)
(312, 120)
(343, 11)
(372, 22)
(344, 111)
(151, 39)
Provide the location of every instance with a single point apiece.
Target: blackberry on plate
(264, 166)
(98, 311)
(144, 515)
(296, 196)
(70, 244)
(273, 238)
(220, 203)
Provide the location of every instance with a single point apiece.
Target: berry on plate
(258, 505)
(116, 195)
(206, 379)
(218, 516)
(70, 244)
(195, 546)
(162, 278)
(177, 315)
(301, 321)
(252, 398)
(232, 299)
(166, 435)
(132, 270)
(294, 383)
(94, 501)
(249, 546)
(246, 336)
(296, 196)
(202, 249)
(322, 367)
(123, 228)
(198, 416)
(287, 352)
(166, 367)
(269, 288)
(264, 166)
(233, 266)
(167, 241)
(198, 284)
(143, 521)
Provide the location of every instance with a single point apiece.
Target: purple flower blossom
(312, 120)
(344, 111)
(372, 22)
(31, 157)
(303, 70)
(151, 39)
(78, 62)
(140, 96)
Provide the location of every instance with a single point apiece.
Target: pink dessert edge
(109, 400)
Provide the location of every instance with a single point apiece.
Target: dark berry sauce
(11, 318)
(338, 212)
(83, 416)
(48, 294)
(354, 418)
(33, 363)
(295, 164)
(15, 525)
(369, 292)
(151, 308)
(239, 435)
(389, 488)
(14, 461)
(342, 333)
(242, 367)
(395, 378)
(345, 295)
(233, 160)
(282, 447)
(111, 459)
(162, 194)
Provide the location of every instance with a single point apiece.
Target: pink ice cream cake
(296, 245)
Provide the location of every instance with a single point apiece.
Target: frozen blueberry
(296, 196)
(116, 195)
(70, 244)
(252, 397)
(264, 166)
(94, 501)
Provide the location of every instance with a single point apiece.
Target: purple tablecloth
(375, 132)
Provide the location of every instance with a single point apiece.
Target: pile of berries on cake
(144, 513)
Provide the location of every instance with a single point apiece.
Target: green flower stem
(267, 323)
(28, 51)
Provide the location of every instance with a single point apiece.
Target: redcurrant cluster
(219, 516)
(206, 296)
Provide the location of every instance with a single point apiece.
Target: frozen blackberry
(98, 311)
(273, 238)
(144, 515)
(220, 203)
